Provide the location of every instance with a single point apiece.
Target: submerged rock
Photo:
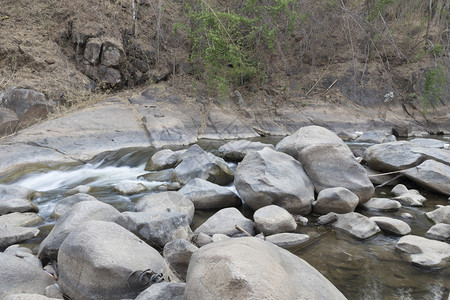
(19, 276)
(129, 187)
(440, 215)
(273, 219)
(268, 177)
(287, 239)
(237, 150)
(424, 252)
(339, 200)
(439, 232)
(431, 174)
(408, 197)
(356, 225)
(224, 221)
(382, 204)
(207, 195)
(102, 260)
(391, 225)
(250, 268)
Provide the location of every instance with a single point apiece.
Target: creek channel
(369, 269)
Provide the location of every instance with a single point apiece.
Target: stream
(369, 269)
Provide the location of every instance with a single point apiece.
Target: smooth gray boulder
(162, 176)
(237, 150)
(163, 291)
(156, 228)
(440, 232)
(129, 187)
(177, 254)
(268, 177)
(201, 239)
(333, 165)
(307, 136)
(10, 235)
(391, 225)
(166, 202)
(273, 219)
(163, 159)
(339, 200)
(356, 225)
(14, 198)
(432, 175)
(21, 219)
(408, 197)
(24, 253)
(80, 213)
(382, 204)
(65, 204)
(102, 260)
(287, 240)
(250, 268)
(440, 215)
(327, 219)
(19, 276)
(393, 156)
(424, 252)
(375, 137)
(205, 166)
(224, 221)
(208, 195)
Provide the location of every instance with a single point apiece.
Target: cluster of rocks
(103, 253)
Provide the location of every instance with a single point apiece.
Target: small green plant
(434, 87)
(379, 8)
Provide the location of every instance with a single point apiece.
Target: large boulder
(80, 213)
(102, 260)
(166, 202)
(65, 204)
(156, 228)
(307, 136)
(432, 175)
(273, 219)
(333, 165)
(250, 268)
(19, 276)
(224, 221)
(237, 150)
(14, 198)
(356, 225)
(208, 195)
(163, 159)
(268, 177)
(339, 200)
(205, 166)
(424, 252)
(177, 254)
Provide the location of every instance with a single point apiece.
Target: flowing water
(369, 269)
